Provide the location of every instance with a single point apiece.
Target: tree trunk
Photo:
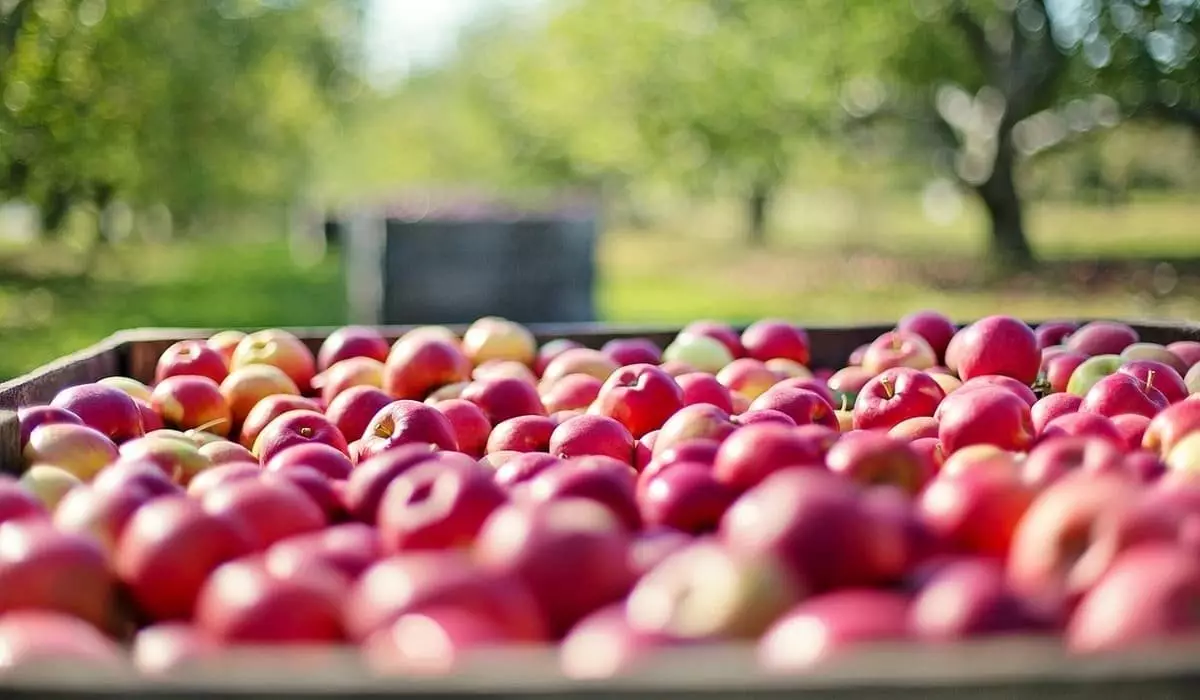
(1010, 247)
(757, 203)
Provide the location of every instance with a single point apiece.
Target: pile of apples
(430, 500)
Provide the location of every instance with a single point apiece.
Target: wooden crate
(1004, 668)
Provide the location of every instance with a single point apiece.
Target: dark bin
(447, 262)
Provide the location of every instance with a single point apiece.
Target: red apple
(108, 410)
(968, 598)
(504, 397)
(139, 475)
(692, 422)
(218, 476)
(574, 391)
(17, 503)
(423, 580)
(33, 416)
(351, 341)
(78, 449)
(1084, 425)
(1000, 381)
(895, 395)
(934, 327)
(325, 459)
(407, 422)
(300, 427)
(702, 387)
(593, 363)
(847, 383)
(438, 504)
(352, 410)
(241, 602)
(225, 452)
(591, 435)
(747, 376)
(547, 352)
(684, 497)
(494, 338)
(1052, 406)
(1155, 353)
(1123, 393)
(1148, 595)
(898, 349)
(44, 568)
(244, 389)
(191, 357)
(522, 468)
(471, 426)
(816, 524)
(268, 510)
(1102, 338)
(1054, 458)
(999, 345)
(168, 549)
(1053, 333)
(776, 338)
(719, 331)
(192, 402)
(633, 351)
(1058, 369)
(640, 397)
(371, 477)
(1132, 428)
(347, 548)
(496, 460)
(1188, 352)
(915, 429)
(989, 416)
(554, 546)
(1145, 466)
(930, 452)
(803, 406)
(267, 410)
(873, 459)
(831, 624)
(98, 514)
(225, 342)
(1158, 375)
(751, 454)
(417, 367)
(1171, 425)
(356, 371)
(976, 510)
(45, 639)
(765, 415)
(523, 434)
(278, 348)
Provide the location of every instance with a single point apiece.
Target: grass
(865, 265)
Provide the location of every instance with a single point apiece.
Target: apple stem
(887, 388)
(211, 423)
(1149, 380)
(845, 402)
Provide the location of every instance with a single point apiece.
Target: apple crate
(1016, 667)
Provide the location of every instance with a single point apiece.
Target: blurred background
(205, 162)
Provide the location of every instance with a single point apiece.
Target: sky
(401, 33)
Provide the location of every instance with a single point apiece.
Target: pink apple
(1053, 459)
(828, 625)
(407, 422)
(765, 415)
(968, 598)
(633, 351)
(684, 497)
(934, 327)
(1083, 425)
(747, 376)
(873, 459)
(352, 410)
(754, 452)
(242, 603)
(42, 567)
(522, 468)
(1132, 428)
(550, 350)
(976, 510)
(108, 410)
(1053, 333)
(898, 349)
(574, 391)
(416, 367)
(522, 434)
(298, 428)
(1123, 393)
(1102, 338)
(987, 415)
(999, 345)
(371, 477)
(579, 361)
(702, 387)
(267, 410)
(640, 397)
(45, 639)
(1058, 369)
(803, 406)
(591, 435)
(268, 510)
(1052, 406)
(193, 357)
(326, 459)
(769, 339)
(504, 397)
(604, 645)
(440, 503)
(349, 342)
(1001, 382)
(895, 395)
(1188, 352)
(471, 426)
(692, 422)
(604, 480)
(1158, 375)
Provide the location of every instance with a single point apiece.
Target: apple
(684, 497)
(98, 514)
(1188, 352)
(1158, 375)
(108, 410)
(246, 387)
(502, 398)
(982, 457)
(1053, 459)
(471, 426)
(349, 342)
(44, 568)
(433, 642)
(831, 624)
(496, 460)
(747, 376)
(242, 603)
(299, 427)
(857, 354)
(1001, 382)
(1149, 594)
(1057, 529)
(632, 351)
(604, 645)
(192, 402)
(604, 480)
(371, 477)
(16, 502)
(574, 391)
(355, 371)
(269, 510)
(132, 387)
(45, 639)
(803, 406)
(591, 435)
(191, 357)
(422, 332)
(1058, 369)
(719, 331)
(930, 452)
(1053, 333)
(643, 450)
(976, 510)
(676, 368)
(766, 415)
(967, 598)
(691, 422)
(772, 338)
(423, 580)
(506, 368)
(1192, 379)
(698, 450)
(325, 459)
(703, 388)
(1144, 465)
(1084, 425)
(1155, 353)
(225, 342)
(999, 345)
(1123, 393)
(654, 544)
(522, 468)
(225, 452)
(790, 369)
(593, 363)
(180, 460)
(31, 417)
(1102, 338)
(348, 549)
(494, 338)
(873, 459)
(437, 504)
(78, 449)
(48, 484)
(166, 648)
(752, 453)
(352, 410)
(699, 353)
(1091, 371)
(523, 434)
(136, 475)
(1052, 406)
(934, 327)
(640, 397)
(416, 368)
(1132, 428)
(947, 382)
(987, 415)
(915, 428)
(277, 348)
(898, 349)
(1171, 425)
(407, 422)
(895, 395)
(151, 421)
(814, 523)
(571, 553)
(846, 383)
(1185, 454)
(550, 350)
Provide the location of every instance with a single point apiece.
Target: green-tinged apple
(1091, 371)
(130, 386)
(701, 352)
(245, 387)
(225, 342)
(49, 484)
(182, 461)
(81, 450)
(1185, 455)
(1155, 352)
(495, 338)
(748, 376)
(277, 348)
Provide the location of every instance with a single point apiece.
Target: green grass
(874, 265)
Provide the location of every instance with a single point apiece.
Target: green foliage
(197, 105)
